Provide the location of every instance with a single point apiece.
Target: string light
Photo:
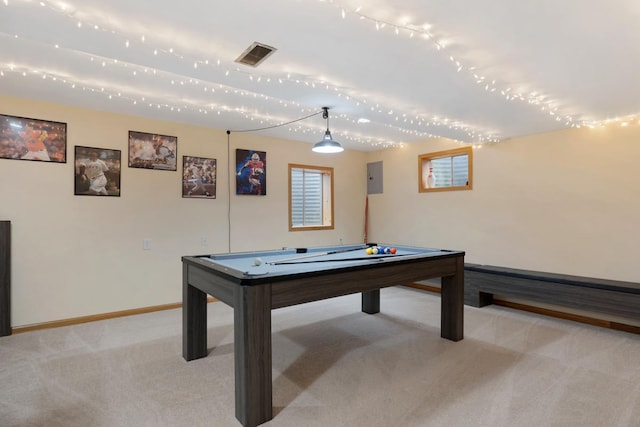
(531, 98)
(356, 98)
(625, 121)
(422, 121)
(148, 100)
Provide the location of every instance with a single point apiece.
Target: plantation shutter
(306, 197)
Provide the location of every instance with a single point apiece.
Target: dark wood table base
(252, 306)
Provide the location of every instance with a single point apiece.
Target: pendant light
(327, 145)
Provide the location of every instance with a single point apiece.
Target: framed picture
(151, 151)
(22, 138)
(97, 171)
(251, 172)
(198, 177)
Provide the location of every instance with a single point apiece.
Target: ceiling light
(327, 145)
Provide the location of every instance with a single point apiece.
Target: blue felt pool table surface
(322, 258)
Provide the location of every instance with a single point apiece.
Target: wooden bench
(612, 297)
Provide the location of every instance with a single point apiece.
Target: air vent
(255, 54)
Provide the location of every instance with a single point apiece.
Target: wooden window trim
(423, 158)
(323, 170)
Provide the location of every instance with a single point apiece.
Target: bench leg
(475, 298)
(484, 298)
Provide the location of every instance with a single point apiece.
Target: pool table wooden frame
(253, 298)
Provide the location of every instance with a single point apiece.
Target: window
(310, 198)
(446, 170)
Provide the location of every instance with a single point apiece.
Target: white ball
(257, 261)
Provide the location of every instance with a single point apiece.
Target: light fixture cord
(229, 190)
(278, 125)
(324, 115)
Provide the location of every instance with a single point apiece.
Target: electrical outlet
(146, 244)
(204, 241)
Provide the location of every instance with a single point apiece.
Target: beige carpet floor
(332, 366)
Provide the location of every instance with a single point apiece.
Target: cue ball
(257, 261)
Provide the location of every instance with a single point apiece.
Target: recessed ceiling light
(363, 120)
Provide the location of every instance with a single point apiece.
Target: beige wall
(81, 255)
(565, 202)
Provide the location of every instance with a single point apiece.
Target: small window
(310, 198)
(446, 170)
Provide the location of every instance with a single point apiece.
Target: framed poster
(198, 177)
(152, 151)
(22, 138)
(97, 171)
(251, 172)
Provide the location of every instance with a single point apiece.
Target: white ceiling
(470, 70)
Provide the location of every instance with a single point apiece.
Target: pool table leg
(252, 352)
(452, 305)
(371, 302)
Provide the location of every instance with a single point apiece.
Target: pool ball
(369, 251)
(374, 250)
(257, 261)
(392, 250)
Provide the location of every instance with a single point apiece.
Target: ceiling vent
(255, 54)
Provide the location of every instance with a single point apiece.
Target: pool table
(254, 283)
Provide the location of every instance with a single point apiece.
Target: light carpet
(332, 366)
